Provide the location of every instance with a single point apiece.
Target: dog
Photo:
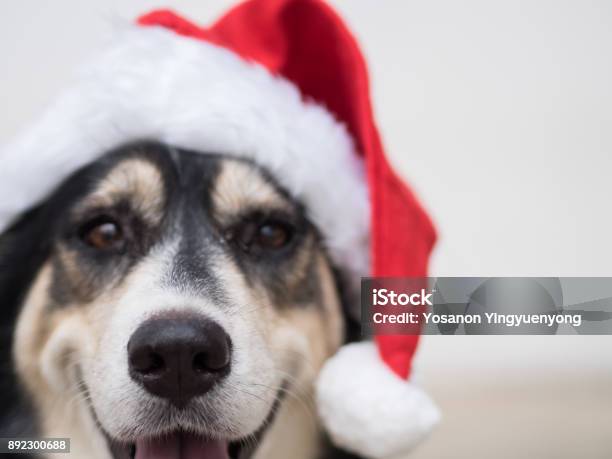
(165, 303)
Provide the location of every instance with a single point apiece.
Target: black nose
(179, 357)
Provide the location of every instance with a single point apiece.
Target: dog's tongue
(181, 446)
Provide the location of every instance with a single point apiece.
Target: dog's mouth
(179, 445)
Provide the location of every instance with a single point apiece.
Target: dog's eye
(272, 235)
(268, 235)
(102, 233)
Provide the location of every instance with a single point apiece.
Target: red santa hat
(282, 82)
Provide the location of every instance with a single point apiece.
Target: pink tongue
(181, 446)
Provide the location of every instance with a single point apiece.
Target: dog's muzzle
(179, 357)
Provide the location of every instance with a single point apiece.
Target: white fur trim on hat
(367, 409)
(154, 84)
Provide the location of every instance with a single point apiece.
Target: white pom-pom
(367, 409)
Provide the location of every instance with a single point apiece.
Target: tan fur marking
(136, 180)
(239, 188)
(296, 275)
(32, 331)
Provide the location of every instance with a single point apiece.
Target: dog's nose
(179, 358)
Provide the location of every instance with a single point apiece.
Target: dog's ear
(23, 249)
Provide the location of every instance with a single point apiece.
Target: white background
(500, 116)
